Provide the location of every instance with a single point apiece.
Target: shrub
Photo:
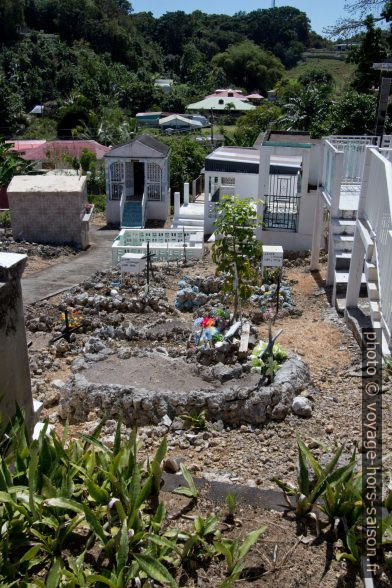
(5, 219)
(76, 512)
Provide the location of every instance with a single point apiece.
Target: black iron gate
(281, 207)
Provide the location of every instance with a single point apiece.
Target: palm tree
(301, 112)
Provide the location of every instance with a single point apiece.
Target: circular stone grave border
(234, 403)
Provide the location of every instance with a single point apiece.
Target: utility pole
(273, 4)
(385, 88)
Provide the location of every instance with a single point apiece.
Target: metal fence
(281, 207)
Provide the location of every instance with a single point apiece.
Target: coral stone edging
(241, 401)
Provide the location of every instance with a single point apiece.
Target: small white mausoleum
(137, 183)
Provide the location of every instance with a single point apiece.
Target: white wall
(246, 185)
(302, 240)
(113, 212)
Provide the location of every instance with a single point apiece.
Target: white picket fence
(165, 244)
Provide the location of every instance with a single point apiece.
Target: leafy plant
(388, 365)
(307, 493)
(231, 502)
(5, 219)
(234, 551)
(263, 366)
(191, 491)
(237, 252)
(198, 421)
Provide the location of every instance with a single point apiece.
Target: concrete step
(343, 242)
(187, 228)
(341, 281)
(189, 221)
(343, 227)
(347, 214)
(373, 291)
(375, 311)
(342, 261)
(371, 272)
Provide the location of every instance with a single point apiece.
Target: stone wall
(241, 401)
(15, 387)
(47, 209)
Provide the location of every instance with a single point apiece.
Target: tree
(237, 252)
(317, 75)
(358, 10)
(251, 124)
(247, 65)
(186, 160)
(353, 114)
(307, 110)
(371, 50)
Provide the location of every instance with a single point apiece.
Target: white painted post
(177, 203)
(206, 202)
(356, 269)
(337, 184)
(331, 258)
(264, 173)
(186, 194)
(317, 231)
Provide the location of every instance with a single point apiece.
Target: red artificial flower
(207, 322)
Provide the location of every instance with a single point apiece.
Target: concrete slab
(67, 274)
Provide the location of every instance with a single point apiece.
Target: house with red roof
(57, 154)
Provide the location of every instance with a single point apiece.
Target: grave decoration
(72, 321)
(210, 329)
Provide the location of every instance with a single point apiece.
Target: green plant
(198, 421)
(191, 491)
(237, 252)
(342, 501)
(307, 493)
(99, 201)
(234, 551)
(5, 219)
(199, 543)
(231, 502)
(388, 364)
(61, 495)
(263, 367)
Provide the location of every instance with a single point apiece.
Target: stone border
(233, 403)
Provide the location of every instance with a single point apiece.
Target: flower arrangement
(259, 365)
(210, 328)
(74, 320)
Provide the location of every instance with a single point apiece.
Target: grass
(340, 70)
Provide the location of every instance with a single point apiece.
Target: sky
(322, 13)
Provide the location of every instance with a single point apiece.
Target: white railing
(332, 176)
(354, 149)
(387, 153)
(166, 244)
(386, 141)
(144, 209)
(377, 210)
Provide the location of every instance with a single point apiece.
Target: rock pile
(197, 291)
(7, 243)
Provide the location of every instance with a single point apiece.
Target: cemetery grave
(142, 337)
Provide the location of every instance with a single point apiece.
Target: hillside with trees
(93, 62)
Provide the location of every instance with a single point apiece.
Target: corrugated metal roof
(52, 149)
(220, 103)
(135, 149)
